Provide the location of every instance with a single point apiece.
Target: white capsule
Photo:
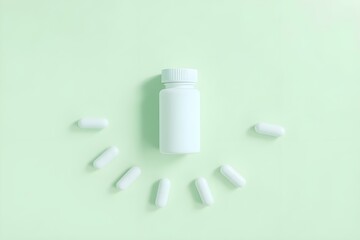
(128, 178)
(204, 191)
(94, 123)
(270, 129)
(233, 176)
(105, 157)
(163, 192)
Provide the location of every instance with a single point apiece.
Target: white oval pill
(270, 129)
(94, 123)
(204, 191)
(233, 176)
(128, 178)
(105, 157)
(163, 192)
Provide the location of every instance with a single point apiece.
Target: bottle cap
(179, 75)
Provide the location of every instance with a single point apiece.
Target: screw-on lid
(179, 75)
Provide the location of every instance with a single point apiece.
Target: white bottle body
(179, 119)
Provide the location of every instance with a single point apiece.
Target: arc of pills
(164, 184)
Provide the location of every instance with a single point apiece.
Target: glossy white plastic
(179, 111)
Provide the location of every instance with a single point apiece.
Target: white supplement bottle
(179, 112)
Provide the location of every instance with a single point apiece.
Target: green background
(294, 63)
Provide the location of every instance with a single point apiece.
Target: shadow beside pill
(152, 196)
(113, 189)
(150, 111)
(74, 127)
(90, 167)
(153, 192)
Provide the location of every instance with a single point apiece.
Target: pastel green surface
(294, 63)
